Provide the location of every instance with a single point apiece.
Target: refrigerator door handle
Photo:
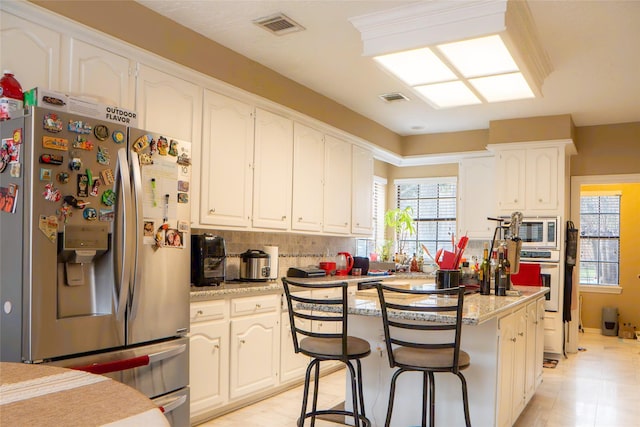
(139, 226)
(173, 404)
(122, 172)
(132, 362)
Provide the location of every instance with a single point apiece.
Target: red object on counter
(9, 86)
(528, 275)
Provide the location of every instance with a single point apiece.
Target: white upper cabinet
(542, 178)
(476, 197)
(308, 175)
(102, 74)
(272, 173)
(511, 180)
(227, 162)
(31, 52)
(530, 180)
(168, 104)
(337, 186)
(361, 205)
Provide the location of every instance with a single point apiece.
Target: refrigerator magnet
(101, 132)
(183, 225)
(184, 160)
(51, 193)
(82, 143)
(17, 136)
(145, 159)
(173, 148)
(51, 159)
(107, 176)
(163, 146)
(183, 186)
(45, 174)
(103, 156)
(53, 143)
(95, 188)
(62, 177)
(183, 198)
(106, 215)
(49, 226)
(90, 214)
(52, 123)
(141, 143)
(108, 197)
(15, 169)
(117, 136)
(75, 164)
(83, 185)
(64, 212)
(78, 126)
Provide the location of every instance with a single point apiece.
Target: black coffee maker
(208, 259)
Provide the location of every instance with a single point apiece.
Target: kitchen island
(504, 337)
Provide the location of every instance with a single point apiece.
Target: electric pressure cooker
(255, 266)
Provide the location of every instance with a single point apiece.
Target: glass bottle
(484, 271)
(501, 275)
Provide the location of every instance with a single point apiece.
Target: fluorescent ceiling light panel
(479, 57)
(505, 87)
(447, 95)
(417, 66)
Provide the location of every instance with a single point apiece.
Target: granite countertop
(240, 289)
(477, 308)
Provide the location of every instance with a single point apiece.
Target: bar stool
(429, 349)
(332, 344)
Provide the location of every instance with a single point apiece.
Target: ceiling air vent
(278, 24)
(393, 97)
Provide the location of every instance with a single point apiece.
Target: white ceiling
(593, 46)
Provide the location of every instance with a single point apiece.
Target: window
(365, 247)
(599, 239)
(433, 201)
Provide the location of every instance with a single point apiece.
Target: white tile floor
(598, 387)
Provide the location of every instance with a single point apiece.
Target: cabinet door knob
(513, 339)
(540, 200)
(200, 312)
(212, 211)
(299, 219)
(521, 334)
(284, 217)
(515, 200)
(258, 306)
(217, 346)
(242, 341)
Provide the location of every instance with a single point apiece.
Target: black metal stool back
(329, 344)
(414, 344)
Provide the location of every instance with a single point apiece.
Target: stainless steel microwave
(540, 232)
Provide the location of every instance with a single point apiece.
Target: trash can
(610, 321)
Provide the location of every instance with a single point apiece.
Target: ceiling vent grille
(279, 24)
(393, 97)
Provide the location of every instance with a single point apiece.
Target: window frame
(576, 183)
(428, 180)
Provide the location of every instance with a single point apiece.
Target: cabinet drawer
(208, 310)
(327, 293)
(255, 305)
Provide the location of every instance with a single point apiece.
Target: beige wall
(607, 149)
(628, 302)
(139, 26)
(450, 142)
(543, 128)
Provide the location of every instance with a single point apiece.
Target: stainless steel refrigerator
(94, 252)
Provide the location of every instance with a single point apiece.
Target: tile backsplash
(294, 250)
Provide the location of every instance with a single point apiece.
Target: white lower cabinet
(255, 345)
(209, 356)
(520, 351)
(292, 365)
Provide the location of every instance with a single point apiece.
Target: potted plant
(401, 221)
